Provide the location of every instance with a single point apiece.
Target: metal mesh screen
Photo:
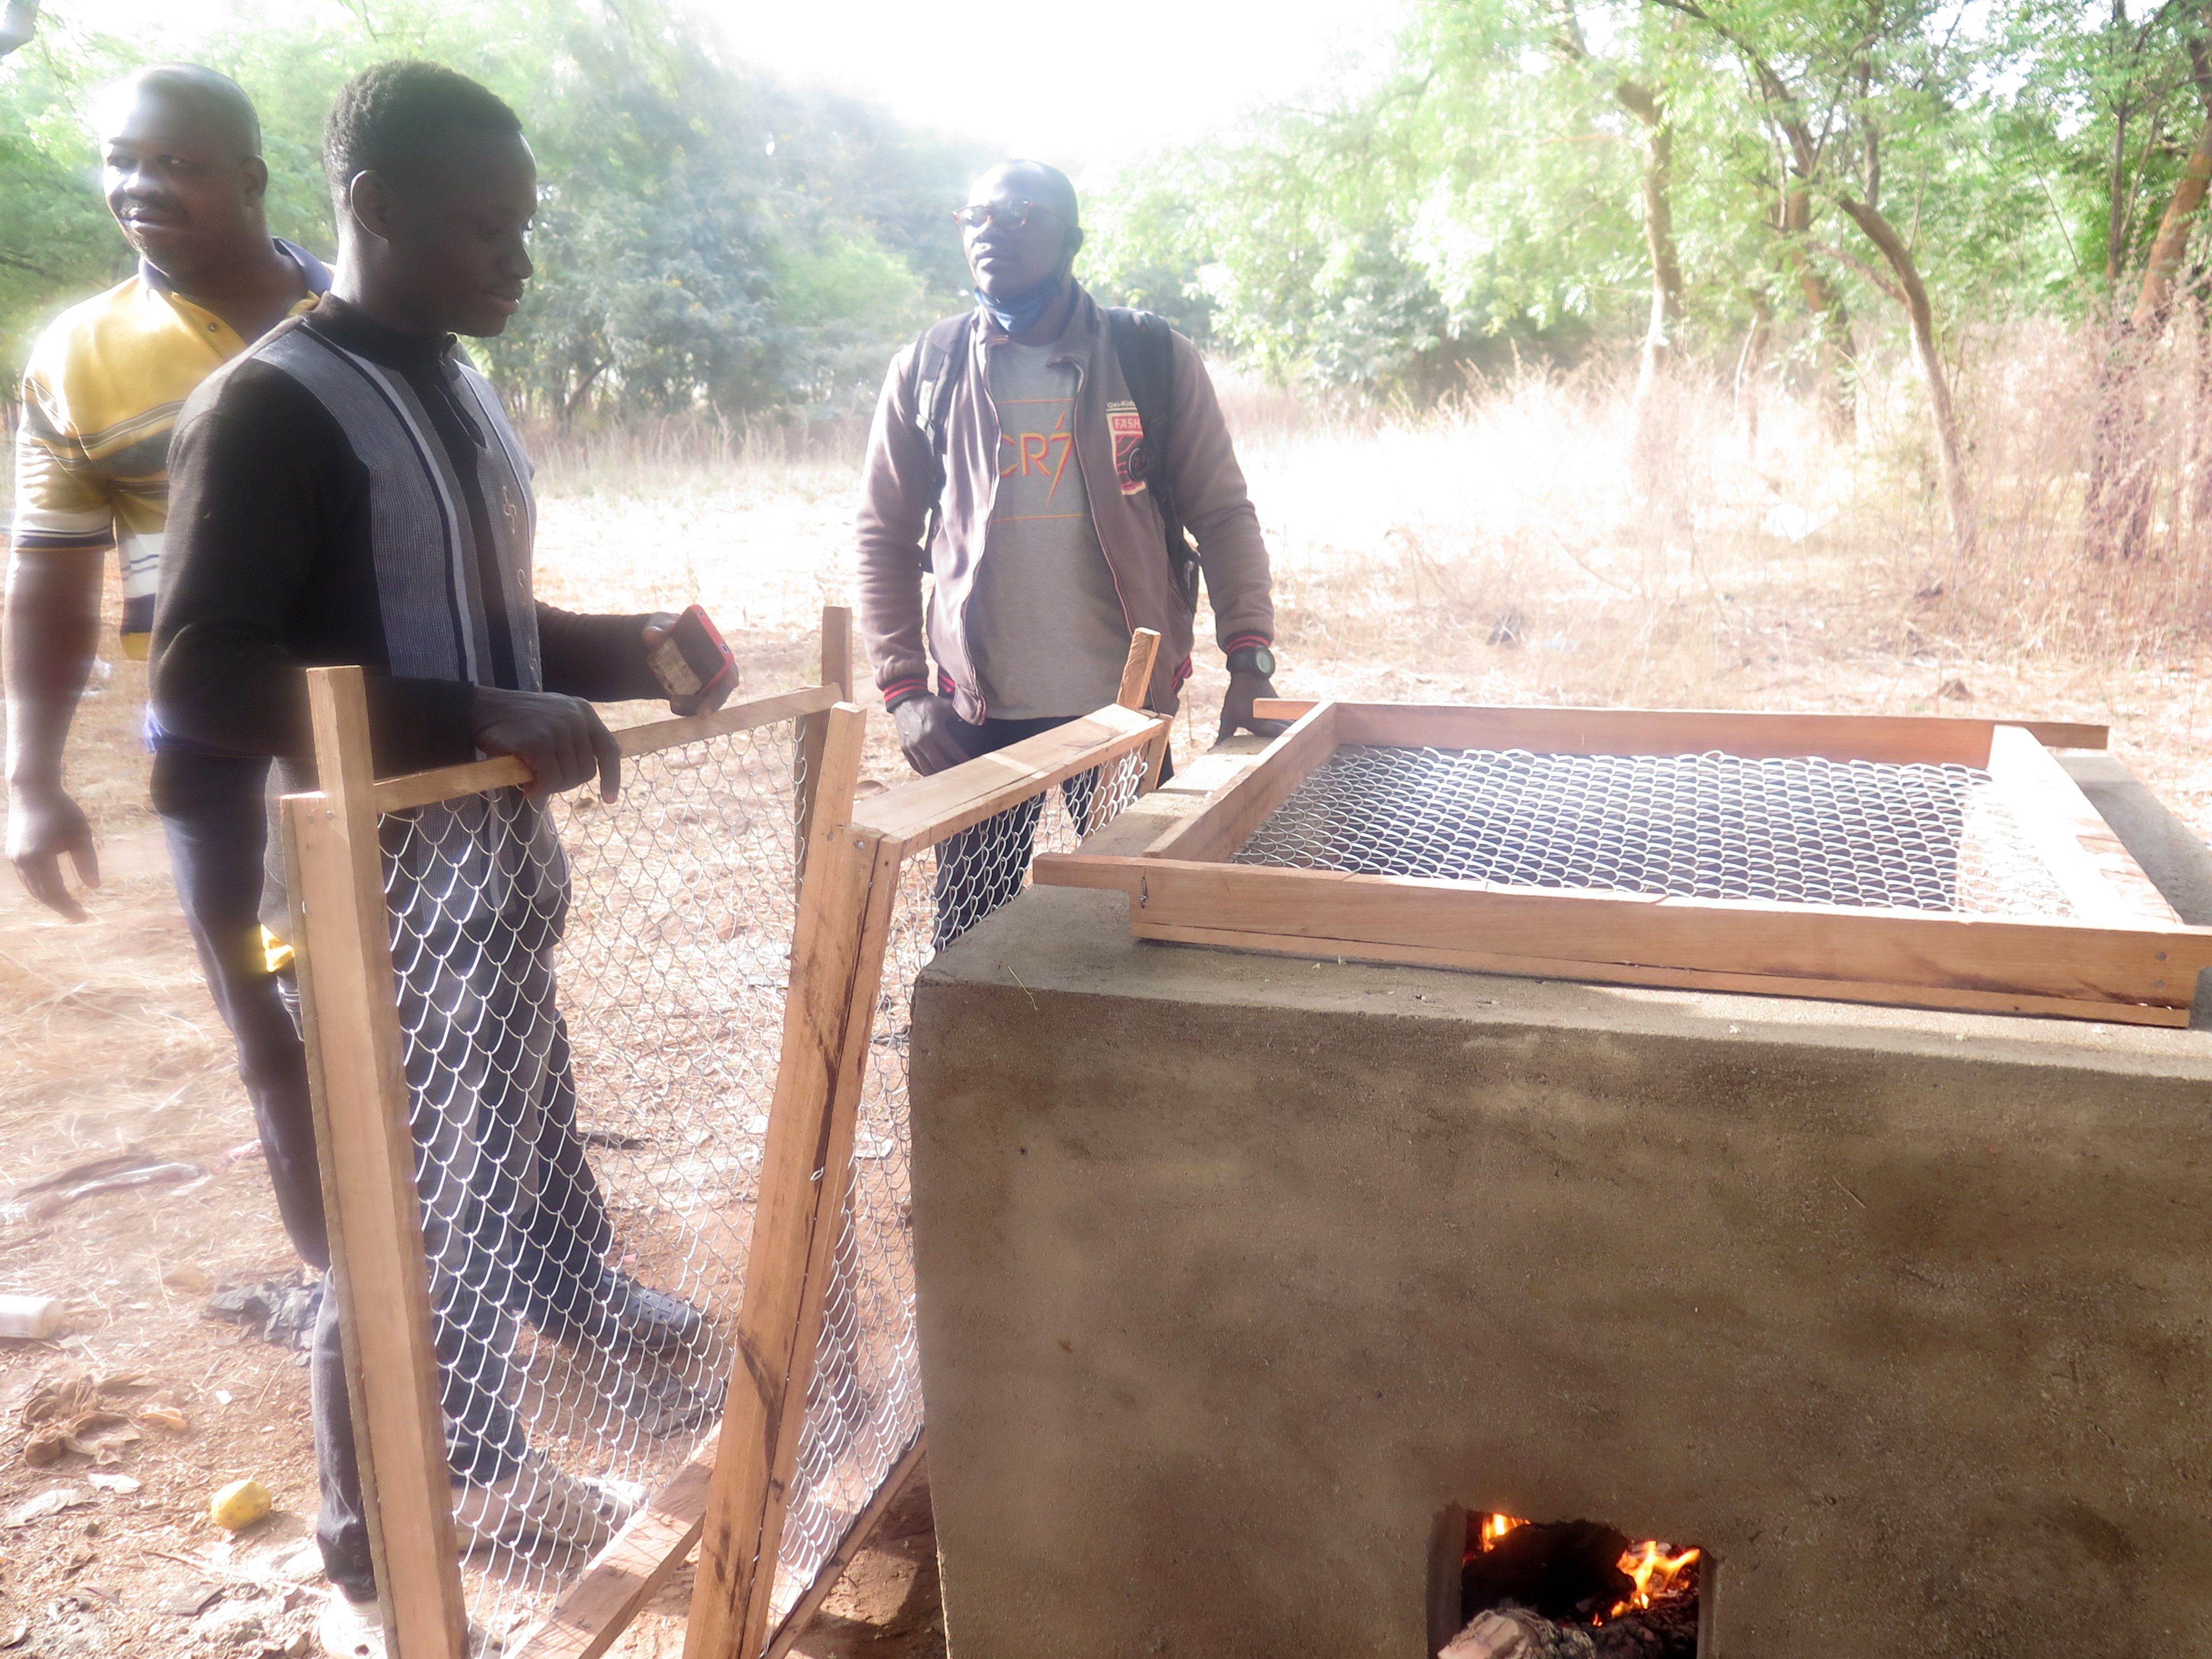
(591, 1002)
(1803, 831)
(864, 1406)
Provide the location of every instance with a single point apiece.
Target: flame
(1658, 1573)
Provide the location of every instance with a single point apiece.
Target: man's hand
(658, 626)
(562, 739)
(1237, 706)
(43, 824)
(925, 733)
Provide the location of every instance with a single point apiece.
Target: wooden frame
(2125, 956)
(837, 959)
(350, 1014)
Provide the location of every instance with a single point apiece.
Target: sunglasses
(1008, 213)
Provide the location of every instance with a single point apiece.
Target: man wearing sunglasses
(1042, 457)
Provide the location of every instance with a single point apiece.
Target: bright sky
(1084, 86)
(1087, 86)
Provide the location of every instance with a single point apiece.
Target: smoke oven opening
(1502, 1587)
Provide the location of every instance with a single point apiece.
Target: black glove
(925, 733)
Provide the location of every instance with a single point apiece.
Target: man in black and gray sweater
(349, 491)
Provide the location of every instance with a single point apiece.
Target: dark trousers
(981, 868)
(214, 818)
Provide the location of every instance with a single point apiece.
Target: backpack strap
(1145, 345)
(940, 357)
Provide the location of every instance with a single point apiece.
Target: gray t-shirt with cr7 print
(1045, 626)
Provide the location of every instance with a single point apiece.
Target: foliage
(707, 239)
(1485, 189)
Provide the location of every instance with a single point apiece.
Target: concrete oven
(1244, 1278)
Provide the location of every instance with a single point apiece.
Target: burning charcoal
(1668, 1631)
(1566, 1570)
(1510, 1632)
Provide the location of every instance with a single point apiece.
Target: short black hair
(393, 117)
(210, 89)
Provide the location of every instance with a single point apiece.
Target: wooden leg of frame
(368, 1155)
(837, 952)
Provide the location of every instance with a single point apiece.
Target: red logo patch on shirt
(1130, 461)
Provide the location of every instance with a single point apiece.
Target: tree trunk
(2116, 505)
(1832, 318)
(1748, 363)
(1958, 499)
(1666, 321)
(2156, 293)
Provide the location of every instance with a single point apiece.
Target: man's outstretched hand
(43, 824)
(925, 733)
(1237, 708)
(562, 739)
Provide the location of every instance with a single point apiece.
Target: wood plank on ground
(630, 1571)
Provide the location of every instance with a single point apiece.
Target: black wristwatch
(1253, 659)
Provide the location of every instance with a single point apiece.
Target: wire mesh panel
(864, 1402)
(1805, 831)
(590, 1001)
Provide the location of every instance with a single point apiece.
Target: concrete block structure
(1239, 1271)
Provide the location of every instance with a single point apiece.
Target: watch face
(1263, 662)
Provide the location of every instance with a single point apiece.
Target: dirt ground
(1420, 584)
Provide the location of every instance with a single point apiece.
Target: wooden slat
(1799, 942)
(474, 777)
(369, 1159)
(629, 1571)
(837, 650)
(1903, 738)
(1600, 973)
(1137, 692)
(814, 729)
(1225, 823)
(1137, 669)
(837, 953)
(2096, 871)
(855, 1540)
(925, 810)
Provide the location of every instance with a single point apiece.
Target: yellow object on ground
(240, 1504)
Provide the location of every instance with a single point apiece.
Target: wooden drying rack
(2124, 956)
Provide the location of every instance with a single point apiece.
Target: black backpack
(1145, 348)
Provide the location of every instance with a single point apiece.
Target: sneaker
(349, 1629)
(539, 1503)
(654, 1320)
(620, 1311)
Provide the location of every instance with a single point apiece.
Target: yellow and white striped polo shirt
(101, 393)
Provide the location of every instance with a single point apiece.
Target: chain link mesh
(864, 1406)
(591, 998)
(1802, 831)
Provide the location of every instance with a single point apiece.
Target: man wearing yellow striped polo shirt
(181, 150)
